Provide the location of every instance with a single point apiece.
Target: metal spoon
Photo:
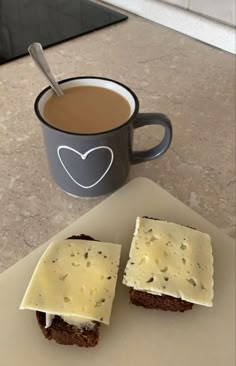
(36, 52)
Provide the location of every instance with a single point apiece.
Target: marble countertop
(171, 73)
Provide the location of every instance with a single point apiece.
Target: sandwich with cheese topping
(170, 266)
(72, 289)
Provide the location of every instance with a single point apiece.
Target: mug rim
(133, 115)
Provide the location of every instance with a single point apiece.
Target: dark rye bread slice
(65, 333)
(164, 302)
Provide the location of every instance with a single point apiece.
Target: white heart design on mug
(84, 157)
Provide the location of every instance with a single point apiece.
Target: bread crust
(67, 334)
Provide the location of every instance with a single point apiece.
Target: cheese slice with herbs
(170, 259)
(75, 278)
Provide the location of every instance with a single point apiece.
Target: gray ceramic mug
(90, 165)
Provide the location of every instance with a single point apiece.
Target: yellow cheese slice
(75, 278)
(166, 258)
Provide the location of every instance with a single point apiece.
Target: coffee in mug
(87, 109)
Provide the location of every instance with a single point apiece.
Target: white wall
(182, 20)
(222, 10)
(182, 3)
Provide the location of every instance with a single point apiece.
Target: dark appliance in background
(49, 22)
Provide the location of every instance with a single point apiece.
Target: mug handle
(160, 119)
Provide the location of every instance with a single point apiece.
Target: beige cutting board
(136, 336)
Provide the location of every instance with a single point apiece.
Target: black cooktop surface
(49, 22)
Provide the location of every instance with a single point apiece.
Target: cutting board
(136, 336)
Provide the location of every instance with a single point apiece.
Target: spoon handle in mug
(36, 52)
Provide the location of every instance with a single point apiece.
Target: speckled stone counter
(191, 82)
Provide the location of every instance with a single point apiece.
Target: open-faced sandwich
(72, 289)
(170, 266)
